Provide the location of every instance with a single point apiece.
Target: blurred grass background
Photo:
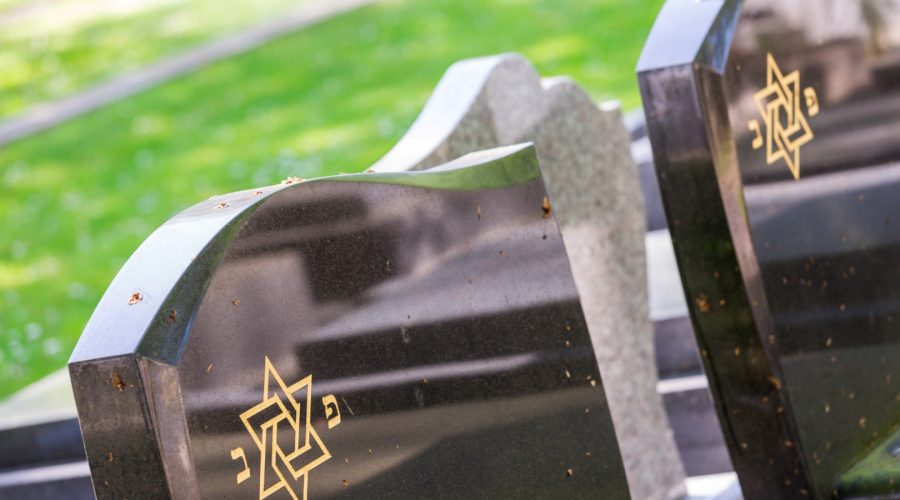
(67, 45)
(78, 199)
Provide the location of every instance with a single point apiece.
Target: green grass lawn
(79, 199)
(56, 51)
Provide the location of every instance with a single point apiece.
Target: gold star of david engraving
(786, 126)
(281, 427)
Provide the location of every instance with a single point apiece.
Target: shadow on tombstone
(774, 128)
(584, 151)
(408, 334)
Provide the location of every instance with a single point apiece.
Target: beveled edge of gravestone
(150, 305)
(691, 32)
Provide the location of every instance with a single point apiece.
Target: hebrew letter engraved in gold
(758, 140)
(812, 101)
(787, 129)
(244, 474)
(281, 427)
(332, 412)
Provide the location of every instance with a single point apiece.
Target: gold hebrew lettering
(332, 412)
(812, 101)
(244, 474)
(758, 140)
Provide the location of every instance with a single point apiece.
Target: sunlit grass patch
(54, 49)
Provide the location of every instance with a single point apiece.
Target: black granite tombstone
(413, 335)
(775, 131)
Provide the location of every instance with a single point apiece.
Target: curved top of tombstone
(476, 98)
(691, 32)
(172, 267)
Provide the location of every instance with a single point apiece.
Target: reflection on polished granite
(775, 139)
(373, 335)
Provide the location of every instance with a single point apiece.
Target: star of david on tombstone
(786, 126)
(285, 462)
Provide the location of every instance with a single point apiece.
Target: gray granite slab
(585, 156)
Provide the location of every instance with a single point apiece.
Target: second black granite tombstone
(774, 127)
(413, 335)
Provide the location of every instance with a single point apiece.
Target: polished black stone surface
(775, 131)
(413, 335)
